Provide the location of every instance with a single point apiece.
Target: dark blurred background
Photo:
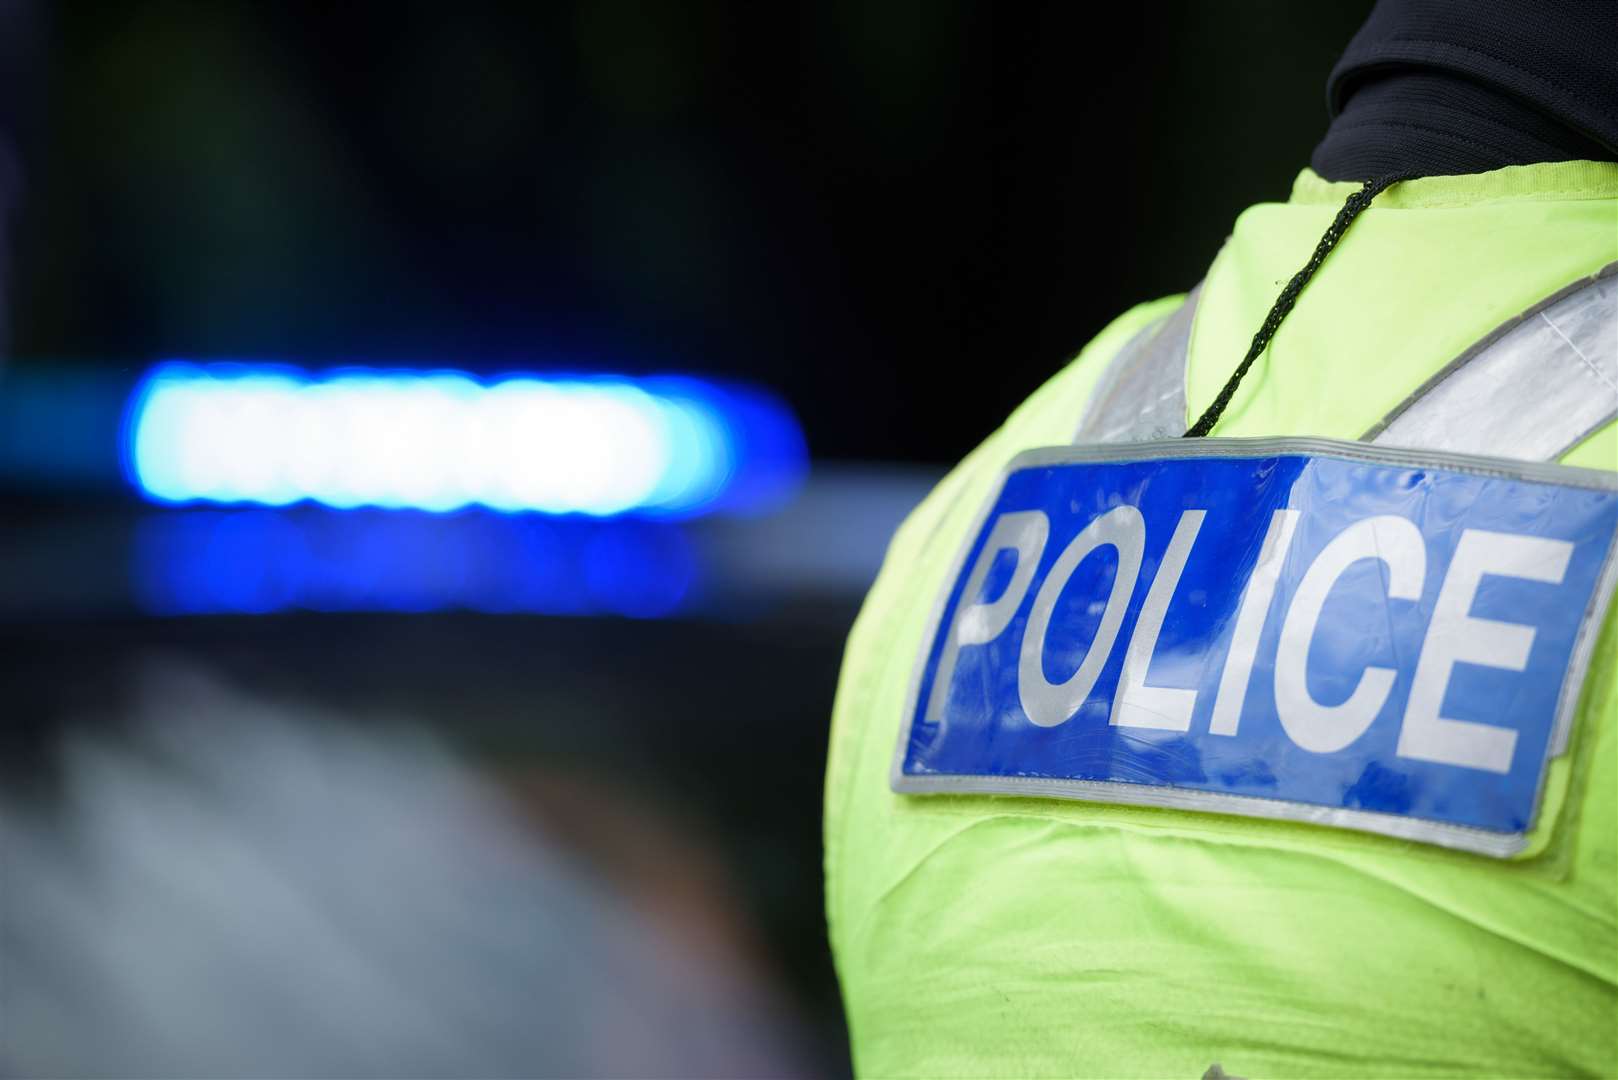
(900, 216)
(859, 203)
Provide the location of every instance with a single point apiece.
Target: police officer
(1298, 756)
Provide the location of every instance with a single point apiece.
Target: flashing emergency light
(441, 441)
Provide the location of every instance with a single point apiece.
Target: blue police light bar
(440, 441)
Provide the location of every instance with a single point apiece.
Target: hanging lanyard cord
(1289, 296)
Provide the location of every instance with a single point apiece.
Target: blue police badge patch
(1380, 639)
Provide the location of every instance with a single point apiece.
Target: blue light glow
(259, 561)
(440, 441)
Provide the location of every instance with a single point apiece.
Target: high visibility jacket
(980, 935)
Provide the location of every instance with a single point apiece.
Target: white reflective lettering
(1397, 543)
(1048, 704)
(1135, 704)
(1456, 636)
(1255, 606)
(976, 623)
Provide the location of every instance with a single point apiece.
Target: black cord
(1289, 296)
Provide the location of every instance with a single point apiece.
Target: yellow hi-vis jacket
(986, 935)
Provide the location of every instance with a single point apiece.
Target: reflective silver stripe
(1141, 395)
(1533, 389)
